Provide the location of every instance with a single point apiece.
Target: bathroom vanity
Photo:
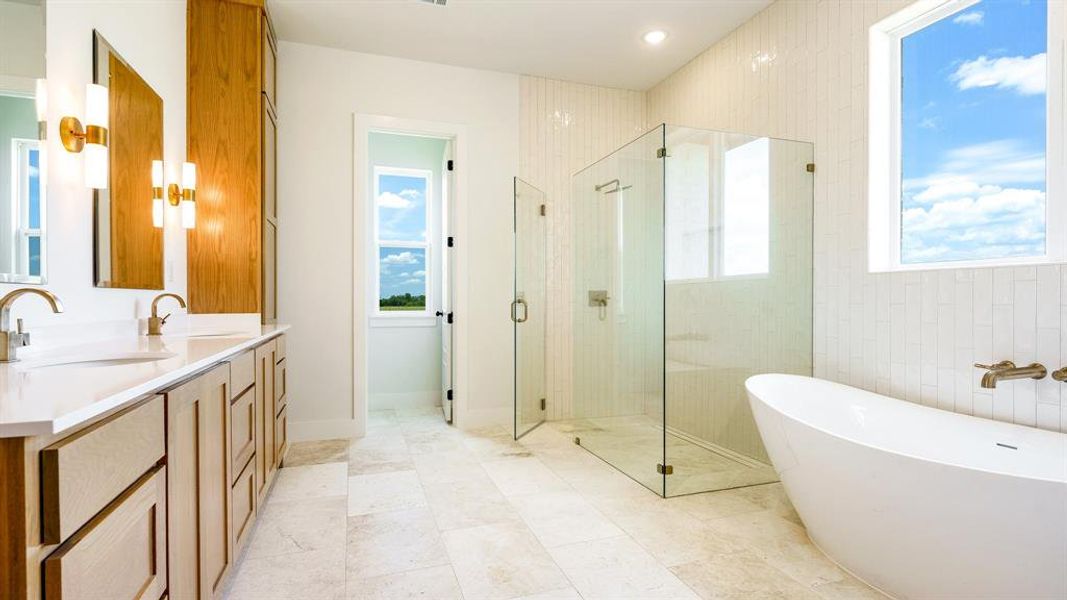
(134, 467)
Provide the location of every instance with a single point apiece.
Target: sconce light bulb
(96, 106)
(188, 176)
(188, 214)
(96, 163)
(157, 173)
(40, 97)
(157, 212)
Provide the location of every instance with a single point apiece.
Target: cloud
(402, 258)
(391, 200)
(411, 281)
(930, 123)
(419, 273)
(1024, 75)
(1000, 162)
(973, 17)
(411, 193)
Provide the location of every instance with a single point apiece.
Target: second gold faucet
(1007, 370)
(155, 322)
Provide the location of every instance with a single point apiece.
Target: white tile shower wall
(564, 127)
(798, 70)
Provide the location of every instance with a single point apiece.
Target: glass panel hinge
(665, 469)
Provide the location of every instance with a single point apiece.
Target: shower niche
(692, 270)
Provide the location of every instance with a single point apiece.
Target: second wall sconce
(90, 137)
(183, 195)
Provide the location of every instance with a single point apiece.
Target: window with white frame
(966, 134)
(402, 240)
(27, 210)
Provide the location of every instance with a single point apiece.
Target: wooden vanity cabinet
(198, 488)
(265, 459)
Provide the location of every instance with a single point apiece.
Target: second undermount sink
(94, 360)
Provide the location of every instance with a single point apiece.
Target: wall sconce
(185, 195)
(40, 102)
(157, 193)
(92, 138)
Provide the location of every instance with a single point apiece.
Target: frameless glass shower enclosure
(692, 271)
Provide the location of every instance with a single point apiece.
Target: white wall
(320, 91)
(151, 37)
(798, 70)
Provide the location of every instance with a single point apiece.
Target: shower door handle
(525, 310)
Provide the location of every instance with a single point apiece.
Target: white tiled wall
(798, 70)
(564, 127)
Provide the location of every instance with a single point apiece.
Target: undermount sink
(94, 360)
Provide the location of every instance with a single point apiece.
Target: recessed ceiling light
(655, 37)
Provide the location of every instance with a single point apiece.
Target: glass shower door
(528, 306)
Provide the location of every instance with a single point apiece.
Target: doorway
(408, 280)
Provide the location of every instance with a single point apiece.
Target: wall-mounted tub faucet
(1006, 370)
(1060, 374)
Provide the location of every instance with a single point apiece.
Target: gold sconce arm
(75, 136)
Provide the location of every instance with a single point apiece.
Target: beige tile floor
(418, 509)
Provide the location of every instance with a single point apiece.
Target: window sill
(420, 320)
(1025, 261)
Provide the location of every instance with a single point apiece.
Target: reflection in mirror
(128, 246)
(22, 149)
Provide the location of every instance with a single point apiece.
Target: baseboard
(307, 431)
(405, 400)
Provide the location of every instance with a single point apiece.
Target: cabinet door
(264, 457)
(269, 304)
(198, 489)
(269, 59)
(119, 554)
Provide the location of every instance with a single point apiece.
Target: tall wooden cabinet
(231, 131)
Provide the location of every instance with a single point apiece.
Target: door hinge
(450, 317)
(448, 394)
(451, 166)
(542, 403)
(665, 469)
(578, 441)
(451, 241)
(543, 210)
(661, 153)
(810, 167)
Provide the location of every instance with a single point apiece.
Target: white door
(445, 314)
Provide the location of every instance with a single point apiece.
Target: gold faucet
(155, 323)
(1060, 374)
(1007, 370)
(11, 341)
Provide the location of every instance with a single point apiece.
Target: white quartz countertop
(38, 399)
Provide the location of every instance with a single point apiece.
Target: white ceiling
(588, 41)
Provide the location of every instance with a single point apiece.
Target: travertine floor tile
(381, 492)
(318, 574)
(617, 568)
(315, 453)
(559, 518)
(469, 503)
(501, 561)
(393, 542)
(311, 481)
(740, 576)
(288, 526)
(517, 476)
(434, 583)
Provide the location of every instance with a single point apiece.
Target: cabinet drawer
(121, 554)
(244, 506)
(281, 437)
(242, 373)
(242, 431)
(279, 387)
(83, 473)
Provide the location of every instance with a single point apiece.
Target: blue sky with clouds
(401, 217)
(973, 164)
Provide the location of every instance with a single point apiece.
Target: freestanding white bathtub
(916, 501)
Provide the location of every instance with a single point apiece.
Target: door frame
(362, 186)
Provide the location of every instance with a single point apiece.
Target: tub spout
(1006, 370)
